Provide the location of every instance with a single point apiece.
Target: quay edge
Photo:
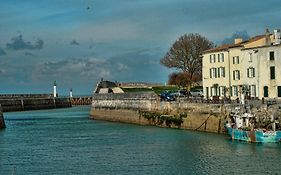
(2, 122)
(25, 102)
(129, 108)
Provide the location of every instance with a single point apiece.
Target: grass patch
(196, 88)
(136, 89)
(159, 89)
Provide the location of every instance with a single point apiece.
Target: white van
(196, 93)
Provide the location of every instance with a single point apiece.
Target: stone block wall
(126, 108)
(2, 122)
(144, 101)
(23, 104)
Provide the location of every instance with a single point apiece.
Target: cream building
(252, 66)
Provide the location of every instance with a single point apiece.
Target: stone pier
(147, 109)
(2, 122)
(24, 102)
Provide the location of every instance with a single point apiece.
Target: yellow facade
(246, 66)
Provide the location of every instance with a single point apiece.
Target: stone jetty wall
(2, 122)
(147, 109)
(32, 102)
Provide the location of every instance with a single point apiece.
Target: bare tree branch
(185, 54)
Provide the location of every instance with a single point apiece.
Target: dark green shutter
(272, 72)
(279, 91)
(265, 91)
(271, 55)
(238, 75)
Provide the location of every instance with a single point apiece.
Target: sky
(78, 42)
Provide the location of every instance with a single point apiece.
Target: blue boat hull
(254, 136)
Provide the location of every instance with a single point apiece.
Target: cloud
(134, 65)
(2, 71)
(18, 43)
(75, 69)
(74, 43)
(139, 65)
(2, 52)
(29, 54)
(238, 34)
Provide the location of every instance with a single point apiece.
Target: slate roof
(225, 47)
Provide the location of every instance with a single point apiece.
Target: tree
(179, 78)
(185, 54)
(182, 79)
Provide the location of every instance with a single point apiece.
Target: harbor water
(67, 141)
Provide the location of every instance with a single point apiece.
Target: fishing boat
(243, 126)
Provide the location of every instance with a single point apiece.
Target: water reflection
(68, 142)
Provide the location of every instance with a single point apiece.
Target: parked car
(166, 96)
(180, 93)
(196, 93)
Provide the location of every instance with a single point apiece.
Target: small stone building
(105, 87)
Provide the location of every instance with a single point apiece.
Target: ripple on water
(66, 141)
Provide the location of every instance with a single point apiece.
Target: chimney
(267, 38)
(238, 40)
(277, 36)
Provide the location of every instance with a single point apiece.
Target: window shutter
(210, 73)
(215, 72)
(248, 72)
(238, 74)
(254, 72)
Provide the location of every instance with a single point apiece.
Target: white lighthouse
(70, 93)
(55, 89)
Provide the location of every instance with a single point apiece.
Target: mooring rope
(203, 123)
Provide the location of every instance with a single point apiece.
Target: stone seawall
(2, 122)
(23, 104)
(130, 108)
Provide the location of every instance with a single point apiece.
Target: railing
(81, 100)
